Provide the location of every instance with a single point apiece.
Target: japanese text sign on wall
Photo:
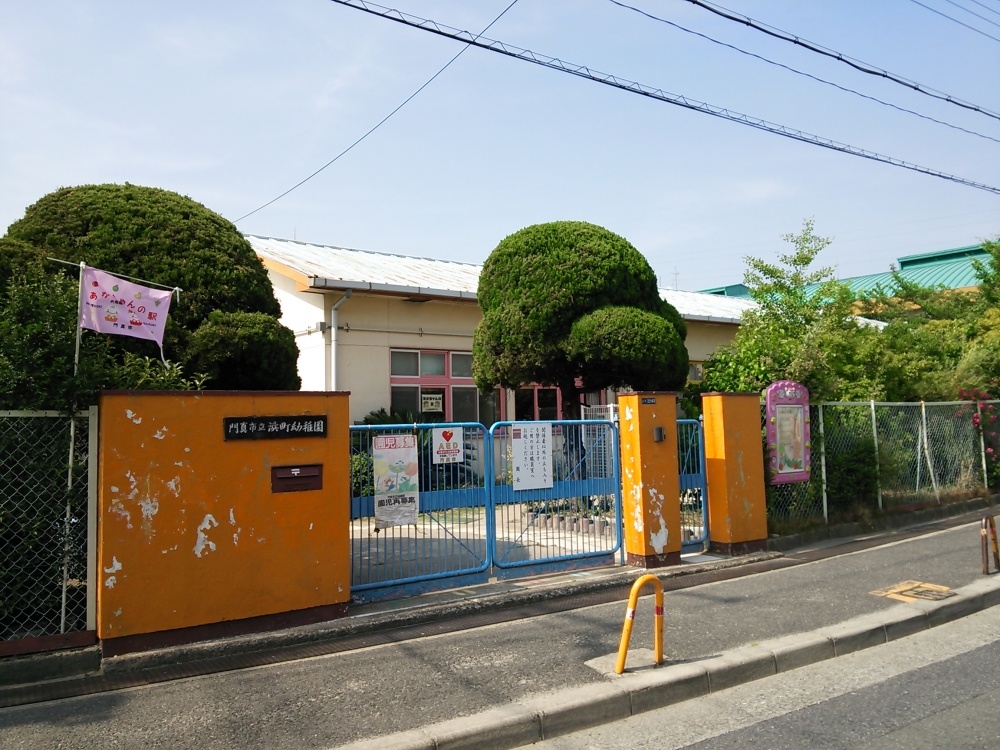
(448, 442)
(271, 428)
(531, 455)
(397, 480)
(787, 431)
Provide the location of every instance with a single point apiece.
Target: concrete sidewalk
(514, 662)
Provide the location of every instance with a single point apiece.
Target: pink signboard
(787, 432)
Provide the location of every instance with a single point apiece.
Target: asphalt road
(936, 689)
(327, 701)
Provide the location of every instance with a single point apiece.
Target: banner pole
(67, 546)
(79, 328)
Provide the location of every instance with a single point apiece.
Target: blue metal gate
(569, 518)
(691, 465)
(448, 545)
(478, 516)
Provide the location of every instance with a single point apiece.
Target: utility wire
(983, 5)
(406, 101)
(840, 57)
(973, 13)
(801, 73)
(954, 20)
(638, 88)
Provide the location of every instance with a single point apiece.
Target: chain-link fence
(873, 456)
(45, 524)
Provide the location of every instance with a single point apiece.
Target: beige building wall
(352, 354)
(369, 326)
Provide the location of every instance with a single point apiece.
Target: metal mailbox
(297, 478)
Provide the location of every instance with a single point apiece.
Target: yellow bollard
(633, 600)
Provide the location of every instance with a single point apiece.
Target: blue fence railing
(487, 502)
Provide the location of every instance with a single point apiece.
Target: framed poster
(397, 483)
(787, 432)
(531, 455)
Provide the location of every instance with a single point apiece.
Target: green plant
(362, 475)
(574, 305)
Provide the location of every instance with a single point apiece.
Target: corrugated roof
(344, 268)
(952, 274)
(329, 267)
(712, 308)
(951, 269)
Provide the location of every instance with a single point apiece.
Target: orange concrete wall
(190, 532)
(651, 490)
(734, 467)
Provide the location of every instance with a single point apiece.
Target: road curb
(416, 614)
(553, 714)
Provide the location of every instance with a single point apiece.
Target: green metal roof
(941, 256)
(950, 269)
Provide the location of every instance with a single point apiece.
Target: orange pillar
(734, 467)
(204, 532)
(650, 480)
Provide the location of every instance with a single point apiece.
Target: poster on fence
(531, 455)
(448, 442)
(787, 431)
(397, 481)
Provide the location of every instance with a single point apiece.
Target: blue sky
(232, 104)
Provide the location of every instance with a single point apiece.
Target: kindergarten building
(396, 331)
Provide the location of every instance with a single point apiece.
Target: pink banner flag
(112, 305)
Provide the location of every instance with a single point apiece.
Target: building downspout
(331, 343)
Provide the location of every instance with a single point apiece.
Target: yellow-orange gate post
(633, 600)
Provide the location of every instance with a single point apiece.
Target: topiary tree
(574, 305)
(245, 350)
(155, 235)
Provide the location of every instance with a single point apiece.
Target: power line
(840, 57)
(643, 90)
(406, 101)
(984, 5)
(973, 13)
(802, 73)
(954, 20)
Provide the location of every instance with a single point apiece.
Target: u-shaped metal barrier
(989, 528)
(633, 600)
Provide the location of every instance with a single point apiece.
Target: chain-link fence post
(822, 461)
(878, 468)
(982, 444)
(927, 452)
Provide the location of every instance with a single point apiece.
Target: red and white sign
(448, 442)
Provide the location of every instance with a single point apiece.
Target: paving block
(667, 685)
(739, 666)
(800, 650)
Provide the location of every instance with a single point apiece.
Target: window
(461, 365)
(436, 386)
(538, 403)
(696, 372)
(405, 363)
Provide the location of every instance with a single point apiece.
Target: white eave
(328, 268)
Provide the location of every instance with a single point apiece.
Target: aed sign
(448, 442)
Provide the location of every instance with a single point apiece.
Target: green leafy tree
(940, 342)
(145, 233)
(802, 329)
(574, 305)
